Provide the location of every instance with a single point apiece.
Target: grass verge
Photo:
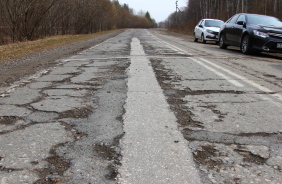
(22, 49)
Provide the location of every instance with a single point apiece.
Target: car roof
(212, 19)
(254, 14)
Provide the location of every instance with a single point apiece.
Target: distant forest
(186, 19)
(22, 20)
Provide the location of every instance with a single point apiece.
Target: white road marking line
(234, 82)
(87, 59)
(181, 51)
(164, 57)
(24, 81)
(262, 88)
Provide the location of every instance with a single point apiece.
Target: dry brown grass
(18, 50)
(187, 28)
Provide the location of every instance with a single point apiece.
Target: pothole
(56, 167)
(110, 153)
(9, 120)
(77, 113)
(174, 97)
(207, 156)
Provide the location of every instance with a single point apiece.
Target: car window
(264, 21)
(213, 23)
(241, 18)
(233, 20)
(229, 20)
(202, 23)
(199, 22)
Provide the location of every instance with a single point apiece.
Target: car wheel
(222, 45)
(203, 39)
(245, 45)
(195, 39)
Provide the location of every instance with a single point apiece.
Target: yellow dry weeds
(18, 50)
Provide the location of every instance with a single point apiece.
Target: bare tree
(222, 9)
(32, 19)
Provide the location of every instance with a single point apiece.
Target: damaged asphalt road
(63, 124)
(190, 112)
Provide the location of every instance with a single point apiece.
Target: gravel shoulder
(14, 69)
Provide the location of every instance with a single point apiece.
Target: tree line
(22, 20)
(196, 10)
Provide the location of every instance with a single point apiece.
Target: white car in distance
(207, 30)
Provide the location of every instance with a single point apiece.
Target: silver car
(207, 30)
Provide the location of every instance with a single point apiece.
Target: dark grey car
(252, 32)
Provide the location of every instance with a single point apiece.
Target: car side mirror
(242, 23)
(201, 26)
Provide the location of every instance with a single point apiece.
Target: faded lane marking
(232, 81)
(262, 88)
(177, 49)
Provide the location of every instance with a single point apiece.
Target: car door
(229, 31)
(238, 29)
(201, 28)
(197, 29)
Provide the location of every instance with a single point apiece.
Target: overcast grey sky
(158, 9)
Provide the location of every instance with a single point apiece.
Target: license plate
(279, 45)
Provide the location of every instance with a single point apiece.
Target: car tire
(203, 39)
(245, 45)
(222, 44)
(195, 39)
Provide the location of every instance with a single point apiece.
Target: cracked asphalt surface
(73, 118)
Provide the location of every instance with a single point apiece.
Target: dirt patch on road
(174, 97)
(203, 157)
(56, 167)
(9, 120)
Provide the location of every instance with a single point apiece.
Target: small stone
(237, 169)
(56, 180)
(213, 181)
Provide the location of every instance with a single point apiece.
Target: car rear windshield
(264, 21)
(213, 23)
